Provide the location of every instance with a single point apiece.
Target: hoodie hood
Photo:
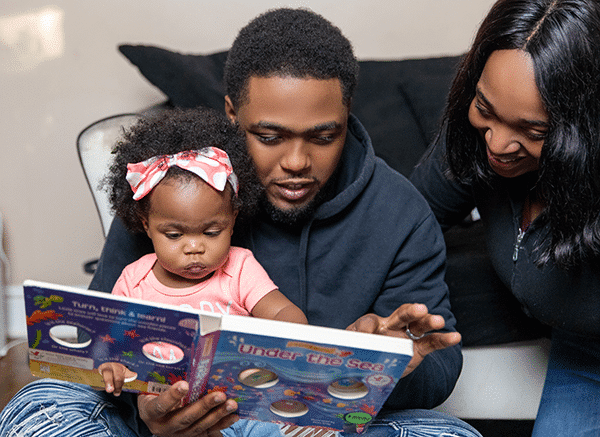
(356, 168)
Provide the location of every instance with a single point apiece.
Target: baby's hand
(114, 376)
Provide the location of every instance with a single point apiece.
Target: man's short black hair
(290, 42)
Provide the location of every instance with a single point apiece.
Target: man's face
(295, 131)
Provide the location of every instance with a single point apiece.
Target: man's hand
(417, 317)
(164, 415)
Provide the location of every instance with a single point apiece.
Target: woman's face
(509, 114)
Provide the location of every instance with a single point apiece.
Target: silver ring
(413, 336)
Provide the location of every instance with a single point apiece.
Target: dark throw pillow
(187, 80)
(398, 102)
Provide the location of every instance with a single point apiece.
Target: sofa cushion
(399, 102)
(187, 80)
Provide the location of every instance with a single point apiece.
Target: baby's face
(190, 225)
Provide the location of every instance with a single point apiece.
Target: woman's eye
(536, 136)
(482, 110)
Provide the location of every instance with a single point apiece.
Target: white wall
(60, 71)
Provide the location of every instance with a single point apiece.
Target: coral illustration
(39, 316)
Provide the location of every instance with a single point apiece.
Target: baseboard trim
(15, 312)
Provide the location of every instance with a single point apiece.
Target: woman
(521, 142)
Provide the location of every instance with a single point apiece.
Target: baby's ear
(144, 221)
(235, 213)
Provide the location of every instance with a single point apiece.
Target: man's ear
(230, 110)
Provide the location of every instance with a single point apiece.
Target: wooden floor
(14, 372)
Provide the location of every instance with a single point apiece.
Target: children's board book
(276, 371)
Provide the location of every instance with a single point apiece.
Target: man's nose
(296, 158)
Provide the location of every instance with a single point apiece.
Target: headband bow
(211, 164)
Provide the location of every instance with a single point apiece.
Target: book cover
(280, 372)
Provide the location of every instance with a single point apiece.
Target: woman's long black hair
(563, 39)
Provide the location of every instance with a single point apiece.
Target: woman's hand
(417, 318)
(165, 416)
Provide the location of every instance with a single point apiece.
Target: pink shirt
(233, 289)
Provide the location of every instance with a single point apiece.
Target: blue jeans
(570, 404)
(56, 408)
(407, 423)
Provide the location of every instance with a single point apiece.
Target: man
(344, 237)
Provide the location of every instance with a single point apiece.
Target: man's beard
(300, 215)
(292, 216)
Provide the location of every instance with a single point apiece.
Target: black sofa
(400, 103)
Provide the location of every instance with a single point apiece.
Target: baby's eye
(173, 235)
(212, 233)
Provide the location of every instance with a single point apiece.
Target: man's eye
(323, 139)
(268, 139)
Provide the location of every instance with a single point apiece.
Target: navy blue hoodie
(372, 247)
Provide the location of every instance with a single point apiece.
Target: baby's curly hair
(174, 131)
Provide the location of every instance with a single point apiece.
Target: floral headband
(211, 164)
